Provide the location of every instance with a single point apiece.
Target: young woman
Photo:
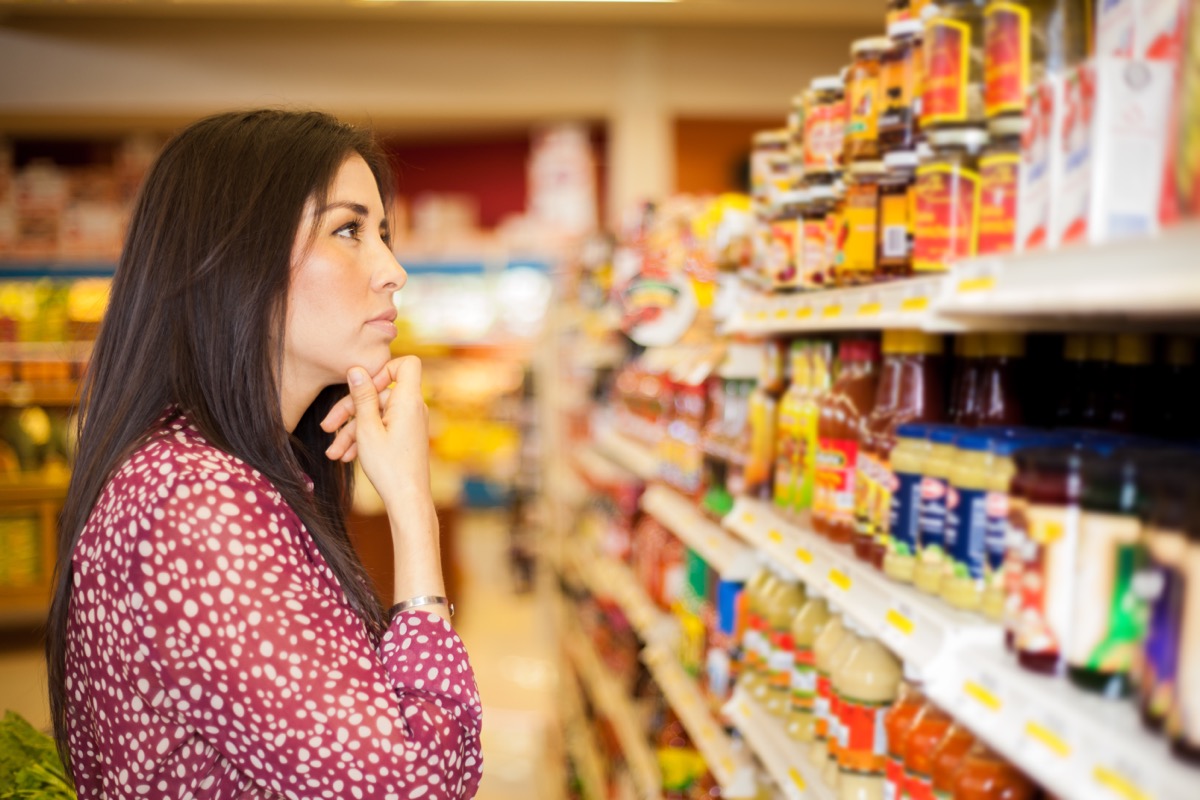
(213, 633)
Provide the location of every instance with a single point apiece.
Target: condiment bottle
(935, 494)
(1108, 619)
(966, 398)
(1000, 383)
(824, 647)
(928, 728)
(1183, 722)
(1008, 40)
(824, 125)
(1098, 380)
(901, 79)
(908, 459)
(948, 758)
(861, 224)
(953, 88)
(753, 628)
(836, 735)
(838, 436)
(806, 628)
(1017, 545)
(985, 776)
(866, 98)
(1178, 387)
(962, 582)
(782, 609)
(867, 482)
(1133, 400)
(866, 687)
(897, 215)
(948, 200)
(999, 173)
(995, 535)
(897, 722)
(789, 455)
(1049, 570)
(1073, 379)
(821, 362)
(768, 177)
(763, 408)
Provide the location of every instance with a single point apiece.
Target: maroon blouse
(212, 652)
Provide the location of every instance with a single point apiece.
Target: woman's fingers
(343, 410)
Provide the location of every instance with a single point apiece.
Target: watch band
(422, 600)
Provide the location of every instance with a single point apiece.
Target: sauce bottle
(821, 364)
(995, 534)
(1178, 391)
(866, 687)
(1098, 380)
(806, 628)
(782, 607)
(928, 729)
(948, 758)
(1073, 377)
(1048, 573)
(919, 399)
(897, 722)
(868, 481)
(1017, 546)
(1000, 381)
(1133, 400)
(1184, 721)
(962, 582)
(897, 213)
(824, 647)
(836, 734)
(838, 431)
(936, 500)
(763, 412)
(903, 538)
(789, 448)
(1108, 619)
(966, 395)
(985, 776)
(754, 636)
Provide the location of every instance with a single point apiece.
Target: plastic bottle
(826, 644)
(1098, 380)
(897, 722)
(836, 733)
(935, 500)
(966, 399)
(929, 727)
(962, 581)
(1000, 382)
(763, 415)
(1133, 400)
(867, 483)
(995, 536)
(948, 758)
(1073, 379)
(782, 608)
(908, 463)
(789, 450)
(838, 434)
(761, 584)
(1017, 546)
(985, 776)
(866, 687)
(1177, 388)
(821, 364)
(806, 628)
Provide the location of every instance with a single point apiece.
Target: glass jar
(824, 125)
(1024, 41)
(900, 77)
(897, 11)
(897, 214)
(833, 231)
(783, 269)
(816, 273)
(866, 97)
(861, 224)
(769, 165)
(953, 91)
(999, 171)
(948, 195)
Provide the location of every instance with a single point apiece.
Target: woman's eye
(350, 230)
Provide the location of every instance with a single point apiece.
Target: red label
(814, 252)
(824, 132)
(835, 724)
(863, 740)
(1006, 58)
(824, 704)
(998, 203)
(918, 786)
(947, 60)
(893, 781)
(837, 462)
(947, 216)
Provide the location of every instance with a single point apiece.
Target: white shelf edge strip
(732, 559)
(635, 457)
(796, 777)
(732, 771)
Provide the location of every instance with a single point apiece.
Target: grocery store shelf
(731, 768)
(721, 551)
(606, 577)
(598, 471)
(633, 456)
(1077, 745)
(581, 744)
(57, 393)
(794, 774)
(613, 703)
(919, 628)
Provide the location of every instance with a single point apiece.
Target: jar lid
(872, 44)
(867, 168)
(905, 28)
(959, 137)
(827, 83)
(772, 137)
(822, 192)
(792, 197)
(900, 159)
(1006, 126)
(924, 151)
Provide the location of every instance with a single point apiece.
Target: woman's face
(340, 312)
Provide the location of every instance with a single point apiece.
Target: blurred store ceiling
(623, 12)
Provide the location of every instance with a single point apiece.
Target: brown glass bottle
(838, 432)
(1132, 399)
(966, 396)
(1098, 380)
(866, 484)
(1000, 382)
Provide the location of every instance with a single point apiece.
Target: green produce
(29, 765)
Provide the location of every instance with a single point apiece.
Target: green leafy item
(30, 768)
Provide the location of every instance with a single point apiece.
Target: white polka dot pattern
(212, 653)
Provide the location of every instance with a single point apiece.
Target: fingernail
(356, 377)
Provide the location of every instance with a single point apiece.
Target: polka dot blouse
(212, 654)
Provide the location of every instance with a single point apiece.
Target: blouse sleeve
(238, 634)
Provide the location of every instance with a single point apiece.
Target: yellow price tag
(830, 312)
(1047, 737)
(914, 304)
(803, 555)
(781, 313)
(775, 536)
(1047, 531)
(748, 518)
(1118, 784)
(970, 285)
(761, 315)
(900, 622)
(804, 312)
(797, 779)
(982, 696)
(870, 309)
(839, 579)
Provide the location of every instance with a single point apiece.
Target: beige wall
(409, 75)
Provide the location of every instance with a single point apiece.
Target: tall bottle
(1177, 388)
(806, 628)
(965, 397)
(897, 722)
(866, 687)
(1000, 382)
(1073, 377)
(837, 721)
(948, 758)
(782, 609)
(868, 482)
(1098, 380)
(763, 414)
(1133, 400)
(928, 729)
(839, 431)
(824, 647)
(936, 508)
(809, 412)
(789, 452)
(754, 634)
(985, 776)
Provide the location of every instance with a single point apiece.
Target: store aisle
(510, 640)
(23, 677)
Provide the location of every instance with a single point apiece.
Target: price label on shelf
(797, 779)
(914, 304)
(804, 312)
(983, 283)
(870, 309)
(774, 536)
(838, 580)
(1120, 783)
(982, 690)
(831, 312)
(805, 557)
(781, 313)
(748, 517)
(1048, 737)
(899, 626)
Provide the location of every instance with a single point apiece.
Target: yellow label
(781, 313)
(969, 285)
(748, 518)
(1117, 784)
(775, 536)
(761, 315)
(797, 779)
(803, 555)
(804, 313)
(1051, 740)
(1046, 531)
(839, 579)
(870, 309)
(900, 622)
(915, 304)
(831, 311)
(982, 696)
(862, 223)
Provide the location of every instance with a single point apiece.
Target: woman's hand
(387, 430)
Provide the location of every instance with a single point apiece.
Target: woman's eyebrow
(357, 208)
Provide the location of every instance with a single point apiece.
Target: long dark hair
(196, 320)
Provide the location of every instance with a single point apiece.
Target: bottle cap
(1101, 347)
(827, 83)
(894, 341)
(1004, 345)
(1075, 347)
(867, 168)
(1006, 126)
(773, 138)
(927, 344)
(974, 441)
(970, 138)
(905, 28)
(944, 434)
(913, 430)
(871, 44)
(974, 345)
(1181, 351)
(1134, 349)
(900, 160)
